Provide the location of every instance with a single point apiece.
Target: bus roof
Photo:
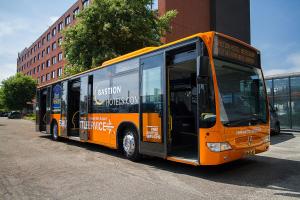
(206, 36)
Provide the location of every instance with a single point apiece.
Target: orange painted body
(102, 128)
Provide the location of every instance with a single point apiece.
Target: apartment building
(44, 59)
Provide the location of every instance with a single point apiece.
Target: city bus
(200, 100)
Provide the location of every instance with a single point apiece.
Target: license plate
(250, 152)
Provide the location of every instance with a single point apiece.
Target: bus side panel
(56, 117)
(103, 127)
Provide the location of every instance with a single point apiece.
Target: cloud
(52, 20)
(292, 64)
(11, 27)
(294, 59)
(7, 69)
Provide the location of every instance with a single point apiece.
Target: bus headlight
(218, 146)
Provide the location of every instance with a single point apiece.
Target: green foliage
(17, 90)
(2, 105)
(109, 28)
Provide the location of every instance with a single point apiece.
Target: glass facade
(284, 95)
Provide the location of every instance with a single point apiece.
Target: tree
(2, 106)
(17, 90)
(109, 28)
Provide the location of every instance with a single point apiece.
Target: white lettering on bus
(122, 101)
(97, 125)
(109, 91)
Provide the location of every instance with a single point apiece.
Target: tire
(54, 132)
(277, 129)
(130, 145)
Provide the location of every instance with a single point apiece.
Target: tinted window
(102, 90)
(125, 99)
(116, 88)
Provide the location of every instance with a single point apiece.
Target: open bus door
(153, 137)
(43, 109)
(37, 110)
(64, 109)
(48, 110)
(85, 92)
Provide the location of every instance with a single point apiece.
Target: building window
(48, 63)
(68, 20)
(43, 78)
(75, 12)
(53, 46)
(43, 66)
(85, 3)
(38, 80)
(43, 53)
(60, 41)
(39, 44)
(54, 32)
(35, 48)
(53, 75)
(43, 40)
(39, 56)
(48, 77)
(48, 37)
(54, 60)
(34, 70)
(60, 57)
(59, 72)
(34, 59)
(60, 26)
(48, 49)
(38, 68)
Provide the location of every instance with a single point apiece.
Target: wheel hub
(128, 143)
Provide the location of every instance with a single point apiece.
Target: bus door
(153, 140)
(48, 110)
(37, 111)
(85, 92)
(64, 110)
(43, 109)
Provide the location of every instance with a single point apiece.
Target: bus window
(125, 97)
(207, 106)
(102, 90)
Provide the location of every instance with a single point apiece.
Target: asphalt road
(32, 166)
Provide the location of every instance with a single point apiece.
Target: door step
(183, 160)
(74, 138)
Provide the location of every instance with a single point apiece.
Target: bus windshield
(241, 94)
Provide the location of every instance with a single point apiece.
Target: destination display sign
(234, 51)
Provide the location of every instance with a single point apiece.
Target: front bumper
(217, 158)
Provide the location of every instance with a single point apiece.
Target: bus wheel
(130, 147)
(277, 128)
(54, 131)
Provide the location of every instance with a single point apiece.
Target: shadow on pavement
(276, 139)
(276, 174)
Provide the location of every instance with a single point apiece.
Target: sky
(275, 30)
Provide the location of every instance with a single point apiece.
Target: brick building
(44, 59)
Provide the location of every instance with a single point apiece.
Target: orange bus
(200, 100)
